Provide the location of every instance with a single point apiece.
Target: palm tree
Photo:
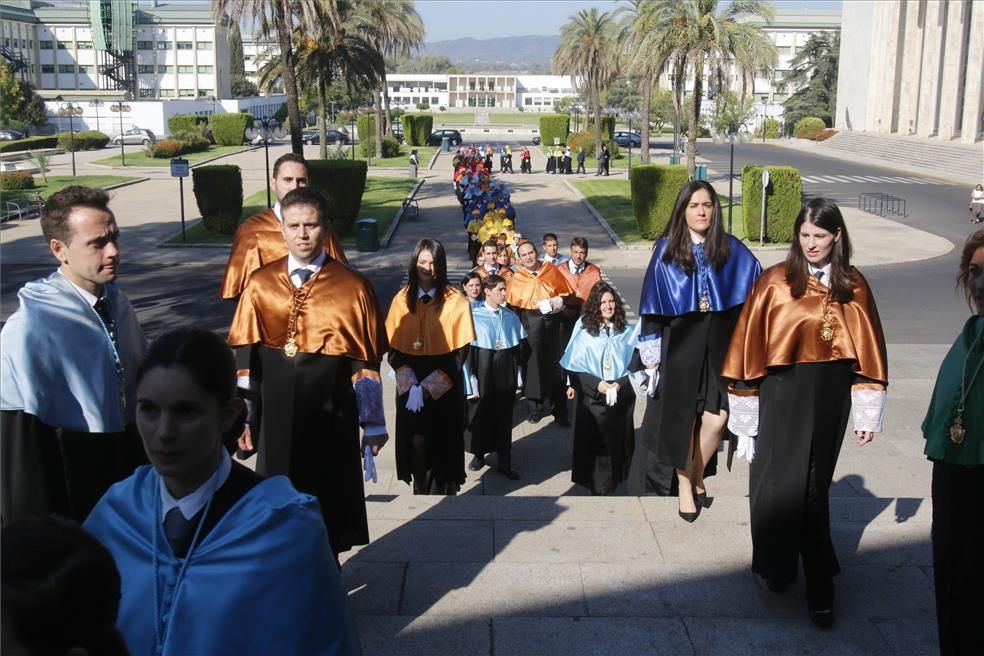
(281, 17)
(394, 28)
(699, 35)
(588, 51)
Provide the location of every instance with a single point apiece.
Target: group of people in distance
(181, 540)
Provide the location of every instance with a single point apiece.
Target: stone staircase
(958, 162)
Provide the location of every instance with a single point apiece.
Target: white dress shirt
(293, 265)
(192, 503)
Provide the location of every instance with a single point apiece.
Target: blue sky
(484, 19)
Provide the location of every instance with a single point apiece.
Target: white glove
(746, 448)
(369, 464)
(415, 399)
(652, 380)
(611, 395)
(544, 306)
(519, 378)
(556, 304)
(474, 387)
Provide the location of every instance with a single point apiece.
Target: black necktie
(818, 274)
(425, 299)
(102, 309)
(178, 531)
(303, 274)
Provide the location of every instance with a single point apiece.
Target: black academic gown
(542, 378)
(604, 435)
(488, 424)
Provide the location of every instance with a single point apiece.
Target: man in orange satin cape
(310, 341)
(539, 292)
(260, 239)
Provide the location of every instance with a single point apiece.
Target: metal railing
(881, 204)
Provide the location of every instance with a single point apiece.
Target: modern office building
(913, 68)
(492, 91)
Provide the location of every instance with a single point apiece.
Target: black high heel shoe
(702, 500)
(689, 517)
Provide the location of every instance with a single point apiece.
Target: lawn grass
(452, 118)
(612, 199)
(59, 182)
(401, 161)
(522, 118)
(380, 201)
(138, 159)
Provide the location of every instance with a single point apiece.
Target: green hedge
(366, 128)
(417, 128)
(655, 188)
(784, 198)
(607, 127)
(195, 123)
(219, 194)
(168, 148)
(586, 139)
(229, 129)
(85, 140)
(342, 183)
(30, 143)
(807, 128)
(16, 180)
(554, 126)
(772, 129)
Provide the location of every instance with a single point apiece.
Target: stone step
(966, 160)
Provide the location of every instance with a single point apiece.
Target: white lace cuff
(650, 351)
(743, 414)
(869, 408)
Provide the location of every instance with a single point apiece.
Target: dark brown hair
(975, 241)
(591, 314)
(679, 247)
(310, 198)
(580, 242)
(289, 157)
(824, 214)
(54, 219)
(436, 249)
(491, 281)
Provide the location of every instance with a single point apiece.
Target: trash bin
(701, 173)
(367, 235)
(674, 159)
(445, 144)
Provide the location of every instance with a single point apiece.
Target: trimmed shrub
(16, 180)
(823, 135)
(230, 129)
(772, 129)
(366, 128)
(807, 128)
(30, 143)
(342, 183)
(784, 198)
(391, 147)
(191, 142)
(219, 194)
(554, 126)
(86, 140)
(655, 188)
(194, 123)
(169, 148)
(417, 128)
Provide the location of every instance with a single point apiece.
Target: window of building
(186, 93)
(472, 102)
(167, 93)
(63, 45)
(186, 69)
(185, 45)
(164, 68)
(6, 41)
(145, 68)
(47, 68)
(163, 45)
(145, 45)
(416, 99)
(46, 44)
(204, 45)
(84, 45)
(66, 68)
(434, 100)
(87, 70)
(247, 57)
(528, 102)
(492, 101)
(206, 69)
(205, 93)
(146, 93)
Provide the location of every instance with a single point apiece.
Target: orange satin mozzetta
(339, 315)
(775, 329)
(582, 284)
(260, 241)
(527, 289)
(440, 327)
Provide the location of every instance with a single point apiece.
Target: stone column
(911, 66)
(954, 53)
(929, 87)
(885, 60)
(974, 86)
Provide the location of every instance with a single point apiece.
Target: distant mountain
(517, 54)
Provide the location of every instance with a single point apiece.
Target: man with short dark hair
(311, 341)
(260, 240)
(551, 246)
(488, 267)
(68, 364)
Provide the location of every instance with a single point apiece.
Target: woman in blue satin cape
(597, 362)
(202, 542)
(694, 288)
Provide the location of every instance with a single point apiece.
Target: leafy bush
(30, 143)
(554, 126)
(772, 129)
(230, 129)
(417, 128)
(85, 140)
(193, 143)
(784, 198)
(16, 180)
(281, 114)
(193, 123)
(655, 188)
(391, 147)
(219, 194)
(422, 106)
(607, 127)
(342, 183)
(586, 139)
(823, 135)
(164, 149)
(807, 128)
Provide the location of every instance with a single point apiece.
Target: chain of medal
(499, 343)
(117, 362)
(826, 328)
(418, 342)
(705, 303)
(957, 429)
(297, 302)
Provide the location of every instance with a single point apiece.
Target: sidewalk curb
(621, 245)
(388, 237)
(118, 185)
(164, 168)
(437, 153)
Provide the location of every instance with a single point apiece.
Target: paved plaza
(538, 566)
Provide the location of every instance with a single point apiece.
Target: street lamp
(71, 110)
(637, 116)
(96, 103)
(576, 108)
(352, 134)
(266, 129)
(120, 107)
(732, 133)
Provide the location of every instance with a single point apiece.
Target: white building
(493, 91)
(538, 93)
(256, 52)
(407, 90)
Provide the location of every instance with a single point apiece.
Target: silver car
(135, 136)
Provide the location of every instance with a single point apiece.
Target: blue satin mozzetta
(586, 353)
(487, 328)
(668, 291)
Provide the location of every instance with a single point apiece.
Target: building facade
(914, 67)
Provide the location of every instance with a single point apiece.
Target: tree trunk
(694, 118)
(647, 101)
(678, 86)
(596, 110)
(386, 105)
(284, 21)
(322, 127)
(378, 122)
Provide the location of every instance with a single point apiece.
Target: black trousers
(958, 561)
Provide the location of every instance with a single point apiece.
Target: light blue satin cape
(586, 353)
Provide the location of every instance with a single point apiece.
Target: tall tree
(640, 20)
(588, 53)
(280, 17)
(814, 78)
(237, 60)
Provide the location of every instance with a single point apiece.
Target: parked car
(333, 136)
(397, 133)
(10, 135)
(454, 137)
(135, 136)
(536, 140)
(624, 139)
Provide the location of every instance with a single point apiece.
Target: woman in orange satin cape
(443, 327)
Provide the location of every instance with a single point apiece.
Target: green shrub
(86, 140)
(342, 183)
(191, 142)
(655, 188)
(784, 198)
(417, 128)
(823, 135)
(194, 123)
(366, 128)
(30, 143)
(219, 194)
(229, 129)
(281, 114)
(586, 139)
(391, 147)
(607, 127)
(772, 129)
(16, 180)
(164, 149)
(422, 106)
(554, 126)
(807, 128)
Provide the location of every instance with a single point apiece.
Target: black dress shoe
(509, 473)
(476, 463)
(562, 420)
(702, 499)
(535, 416)
(823, 619)
(689, 517)
(776, 586)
